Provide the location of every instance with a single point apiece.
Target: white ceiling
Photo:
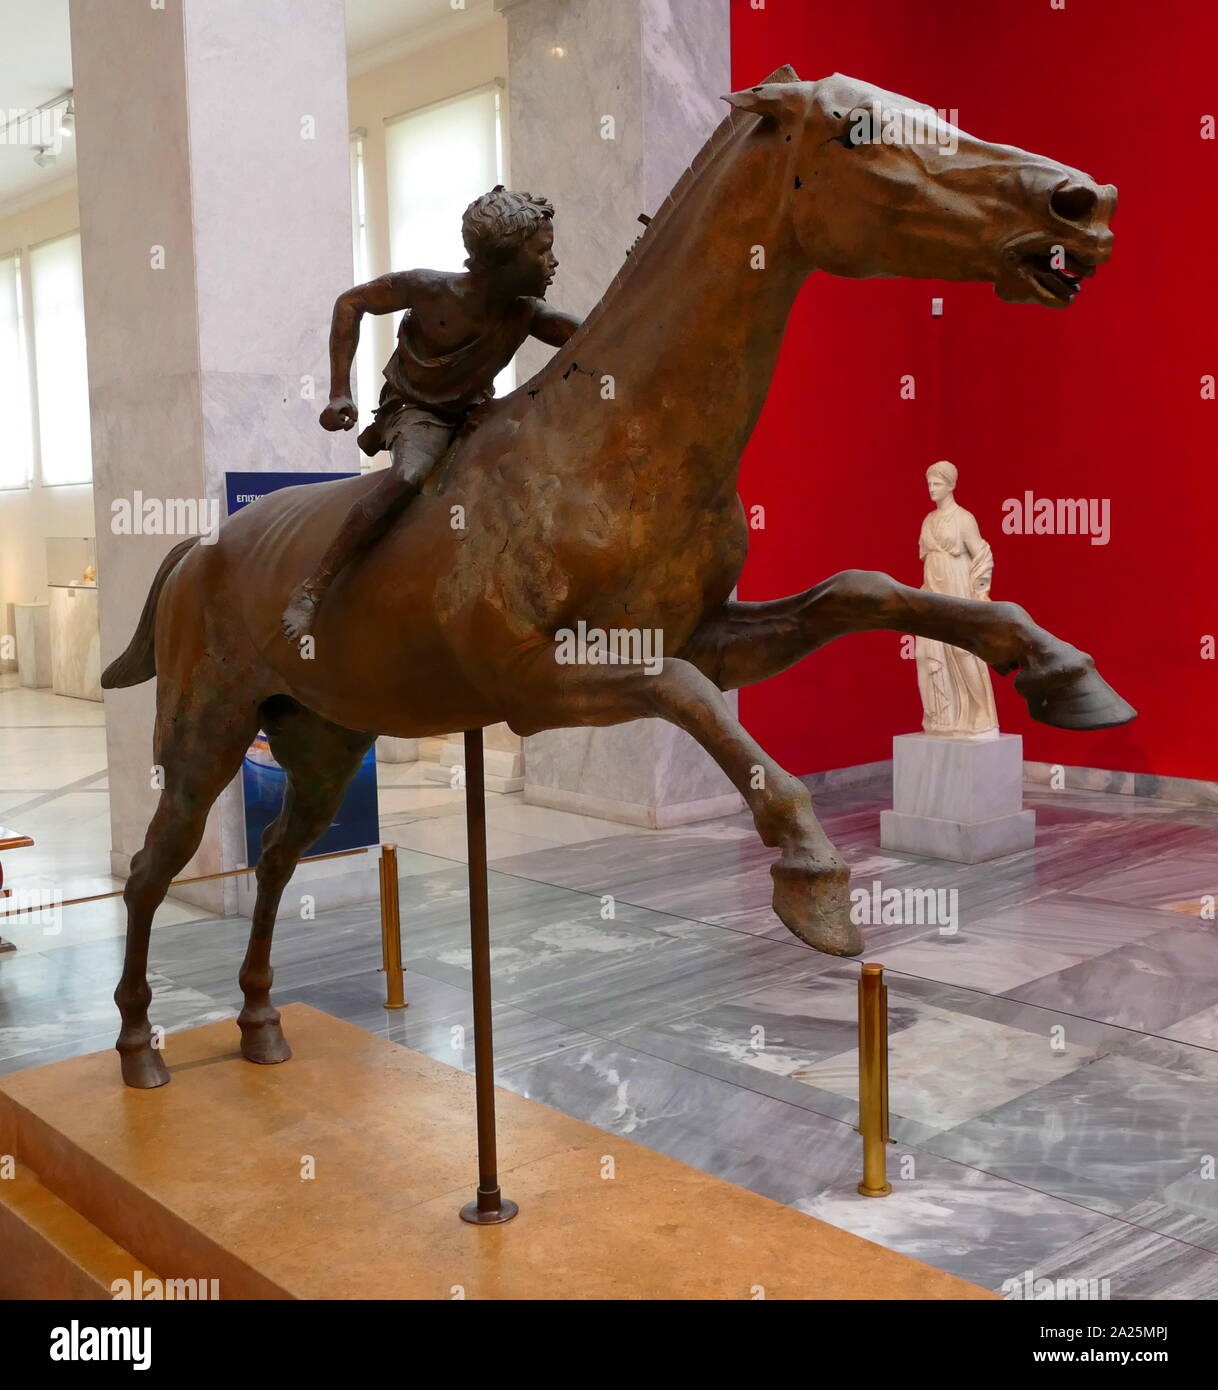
(36, 66)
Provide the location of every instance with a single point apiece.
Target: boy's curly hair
(498, 223)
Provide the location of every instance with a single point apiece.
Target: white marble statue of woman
(957, 698)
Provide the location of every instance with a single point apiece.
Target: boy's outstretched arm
(385, 295)
(552, 326)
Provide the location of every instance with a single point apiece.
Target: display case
(71, 562)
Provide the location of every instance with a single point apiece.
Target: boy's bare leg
(415, 454)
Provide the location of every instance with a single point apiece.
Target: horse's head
(886, 186)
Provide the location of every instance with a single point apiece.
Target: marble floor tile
(1107, 1135)
(31, 760)
(946, 1068)
(445, 838)
(606, 976)
(1133, 1262)
(80, 1044)
(768, 1039)
(71, 849)
(403, 800)
(1158, 881)
(512, 812)
(968, 1222)
(977, 959)
(1025, 942)
(52, 1019)
(42, 709)
(1200, 1029)
(402, 775)
(974, 1225)
(1147, 985)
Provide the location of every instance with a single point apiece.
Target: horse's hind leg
(200, 747)
(320, 759)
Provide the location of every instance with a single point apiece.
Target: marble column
(216, 230)
(648, 73)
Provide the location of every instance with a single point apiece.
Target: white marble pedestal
(397, 750)
(503, 759)
(957, 798)
(75, 643)
(32, 624)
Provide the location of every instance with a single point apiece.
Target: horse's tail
(138, 663)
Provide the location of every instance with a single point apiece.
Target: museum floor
(1053, 1062)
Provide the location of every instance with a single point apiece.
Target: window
(17, 446)
(367, 385)
(439, 159)
(57, 294)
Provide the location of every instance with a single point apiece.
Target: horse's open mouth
(1058, 277)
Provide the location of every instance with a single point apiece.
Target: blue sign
(356, 823)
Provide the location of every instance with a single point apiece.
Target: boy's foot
(297, 620)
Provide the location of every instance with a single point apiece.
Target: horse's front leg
(811, 881)
(743, 643)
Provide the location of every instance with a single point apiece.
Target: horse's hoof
(264, 1042)
(812, 898)
(1075, 696)
(144, 1068)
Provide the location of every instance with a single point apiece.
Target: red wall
(1101, 400)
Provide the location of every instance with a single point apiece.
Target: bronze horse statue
(604, 489)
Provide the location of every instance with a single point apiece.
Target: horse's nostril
(1075, 202)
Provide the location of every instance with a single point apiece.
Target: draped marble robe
(957, 697)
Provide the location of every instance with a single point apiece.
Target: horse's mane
(652, 231)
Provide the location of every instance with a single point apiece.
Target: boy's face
(532, 268)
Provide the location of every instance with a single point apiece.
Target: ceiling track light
(43, 128)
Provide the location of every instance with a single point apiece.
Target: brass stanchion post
(873, 1080)
(490, 1206)
(391, 929)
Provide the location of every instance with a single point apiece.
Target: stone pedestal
(503, 759)
(197, 1182)
(75, 643)
(32, 628)
(957, 798)
(397, 750)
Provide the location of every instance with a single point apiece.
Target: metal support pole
(391, 930)
(489, 1207)
(873, 1080)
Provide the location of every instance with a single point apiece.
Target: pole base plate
(496, 1215)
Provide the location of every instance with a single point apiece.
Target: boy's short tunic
(428, 398)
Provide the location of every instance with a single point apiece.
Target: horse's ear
(765, 100)
(786, 73)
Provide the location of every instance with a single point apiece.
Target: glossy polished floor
(1054, 1059)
